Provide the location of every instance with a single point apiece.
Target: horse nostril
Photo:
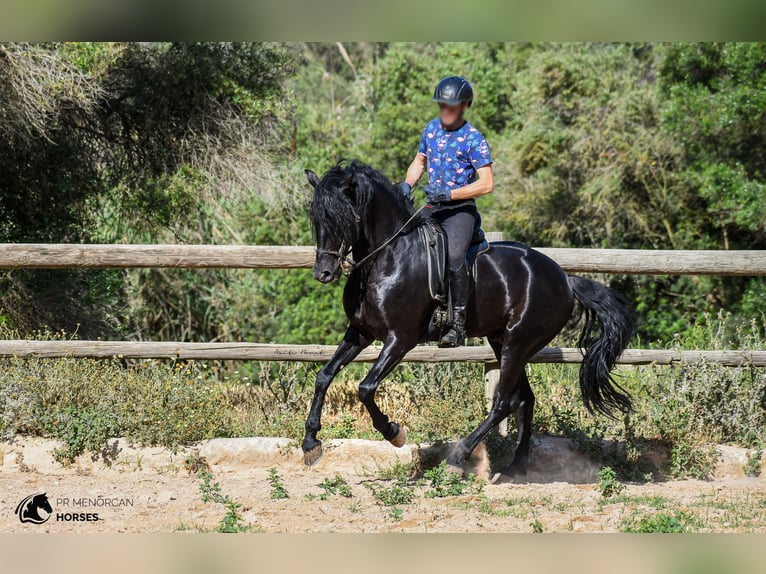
(325, 276)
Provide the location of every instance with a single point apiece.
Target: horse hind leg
(524, 414)
(505, 401)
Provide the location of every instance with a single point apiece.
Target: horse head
(354, 207)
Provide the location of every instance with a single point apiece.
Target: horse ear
(312, 177)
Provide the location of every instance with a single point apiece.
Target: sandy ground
(166, 497)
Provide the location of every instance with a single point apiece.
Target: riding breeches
(458, 224)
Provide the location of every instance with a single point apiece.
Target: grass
(661, 522)
(650, 501)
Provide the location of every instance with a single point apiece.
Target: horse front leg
(352, 344)
(392, 353)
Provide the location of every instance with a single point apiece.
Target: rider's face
(451, 114)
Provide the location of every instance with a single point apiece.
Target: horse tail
(607, 330)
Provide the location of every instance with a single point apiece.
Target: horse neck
(384, 216)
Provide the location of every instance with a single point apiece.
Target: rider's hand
(434, 195)
(406, 189)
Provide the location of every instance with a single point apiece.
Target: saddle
(435, 242)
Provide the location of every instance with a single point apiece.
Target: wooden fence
(628, 261)
(316, 353)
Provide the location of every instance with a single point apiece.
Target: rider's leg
(458, 226)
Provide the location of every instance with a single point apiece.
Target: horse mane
(343, 196)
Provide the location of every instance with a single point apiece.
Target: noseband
(342, 255)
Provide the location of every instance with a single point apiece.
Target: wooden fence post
(492, 368)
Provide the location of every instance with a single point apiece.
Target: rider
(459, 166)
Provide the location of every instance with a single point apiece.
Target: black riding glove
(406, 189)
(434, 196)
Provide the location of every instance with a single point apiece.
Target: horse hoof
(312, 456)
(510, 474)
(401, 437)
(502, 478)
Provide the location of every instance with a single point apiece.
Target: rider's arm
(416, 169)
(484, 184)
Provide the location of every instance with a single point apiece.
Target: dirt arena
(154, 490)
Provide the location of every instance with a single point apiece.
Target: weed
(689, 460)
(395, 513)
(487, 506)
(83, 429)
(193, 462)
(278, 490)
(211, 492)
(608, 483)
(343, 429)
(400, 492)
(537, 526)
(753, 464)
(397, 471)
(336, 485)
(662, 522)
(445, 483)
(655, 501)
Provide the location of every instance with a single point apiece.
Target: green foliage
(662, 522)
(537, 526)
(111, 141)
(753, 464)
(83, 430)
(278, 490)
(608, 484)
(606, 145)
(85, 402)
(444, 483)
(336, 485)
(399, 492)
(688, 460)
(232, 521)
(716, 105)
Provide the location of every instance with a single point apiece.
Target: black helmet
(453, 90)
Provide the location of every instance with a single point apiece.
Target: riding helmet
(453, 90)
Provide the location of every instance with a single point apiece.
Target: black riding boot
(458, 281)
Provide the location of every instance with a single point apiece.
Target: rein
(349, 264)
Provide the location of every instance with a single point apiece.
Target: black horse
(520, 300)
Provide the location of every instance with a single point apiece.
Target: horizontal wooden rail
(318, 353)
(632, 261)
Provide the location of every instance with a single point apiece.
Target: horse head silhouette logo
(29, 509)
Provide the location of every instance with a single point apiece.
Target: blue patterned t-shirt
(453, 156)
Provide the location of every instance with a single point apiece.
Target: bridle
(348, 265)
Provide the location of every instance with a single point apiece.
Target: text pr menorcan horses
(520, 301)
